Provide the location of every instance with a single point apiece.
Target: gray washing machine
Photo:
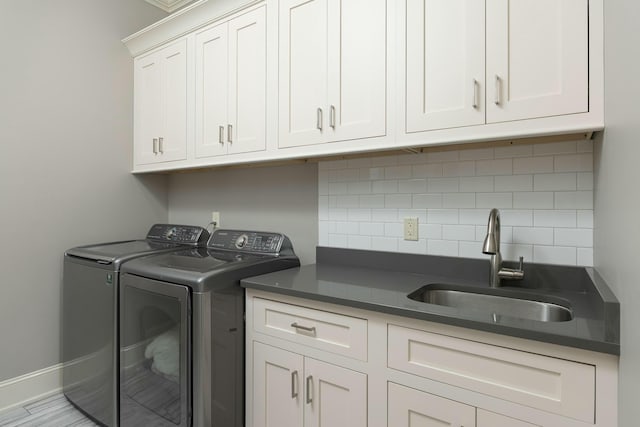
(182, 330)
(90, 314)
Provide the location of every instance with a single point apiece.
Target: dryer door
(155, 353)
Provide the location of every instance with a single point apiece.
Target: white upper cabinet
(160, 105)
(332, 71)
(230, 86)
(537, 58)
(537, 61)
(445, 64)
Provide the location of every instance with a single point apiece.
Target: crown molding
(169, 5)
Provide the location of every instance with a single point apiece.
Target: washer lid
(107, 253)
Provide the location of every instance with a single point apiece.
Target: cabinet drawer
(553, 385)
(332, 332)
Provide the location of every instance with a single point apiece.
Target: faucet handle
(521, 266)
(512, 273)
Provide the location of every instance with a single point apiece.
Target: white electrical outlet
(411, 229)
(215, 217)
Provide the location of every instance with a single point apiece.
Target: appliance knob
(241, 241)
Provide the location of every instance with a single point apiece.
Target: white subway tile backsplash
(427, 170)
(517, 217)
(555, 182)
(388, 244)
(494, 167)
(477, 184)
(384, 215)
(442, 247)
(585, 257)
(585, 181)
(514, 183)
(458, 200)
(459, 169)
(494, 200)
(574, 200)
(427, 200)
(384, 187)
(361, 187)
(514, 151)
(554, 218)
(443, 185)
(552, 148)
(578, 237)
(533, 200)
(442, 216)
(458, 232)
(574, 163)
(398, 201)
(533, 235)
(544, 193)
(555, 255)
(372, 201)
(412, 186)
(529, 165)
(397, 172)
(585, 219)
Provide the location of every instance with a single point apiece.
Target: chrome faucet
(491, 246)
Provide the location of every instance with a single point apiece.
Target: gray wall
(282, 199)
(617, 198)
(65, 155)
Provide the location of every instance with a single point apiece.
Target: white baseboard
(32, 386)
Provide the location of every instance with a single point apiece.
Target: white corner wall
(544, 193)
(66, 131)
(617, 197)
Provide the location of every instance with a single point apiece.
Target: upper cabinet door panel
(211, 91)
(537, 58)
(173, 143)
(356, 69)
(247, 82)
(148, 108)
(303, 71)
(445, 63)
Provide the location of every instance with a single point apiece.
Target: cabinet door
(303, 72)
(444, 64)
(356, 69)
(247, 83)
(537, 58)
(211, 91)
(147, 108)
(408, 407)
(277, 387)
(491, 419)
(172, 144)
(334, 396)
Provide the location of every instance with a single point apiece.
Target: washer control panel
(246, 241)
(183, 234)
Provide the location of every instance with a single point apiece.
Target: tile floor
(53, 411)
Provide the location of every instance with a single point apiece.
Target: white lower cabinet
(291, 390)
(315, 364)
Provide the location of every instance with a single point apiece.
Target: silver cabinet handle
(294, 384)
(476, 93)
(319, 119)
(309, 389)
(332, 117)
(155, 145)
(160, 145)
(311, 329)
(230, 133)
(498, 90)
(221, 134)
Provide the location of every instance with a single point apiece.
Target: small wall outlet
(411, 229)
(215, 217)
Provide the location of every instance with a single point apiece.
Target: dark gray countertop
(381, 281)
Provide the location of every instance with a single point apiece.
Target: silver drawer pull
(221, 134)
(155, 145)
(311, 329)
(309, 389)
(161, 145)
(230, 134)
(319, 119)
(498, 99)
(476, 89)
(294, 384)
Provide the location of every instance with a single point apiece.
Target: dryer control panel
(249, 241)
(183, 234)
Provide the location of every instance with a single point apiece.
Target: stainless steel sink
(495, 302)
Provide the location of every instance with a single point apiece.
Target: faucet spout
(491, 246)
